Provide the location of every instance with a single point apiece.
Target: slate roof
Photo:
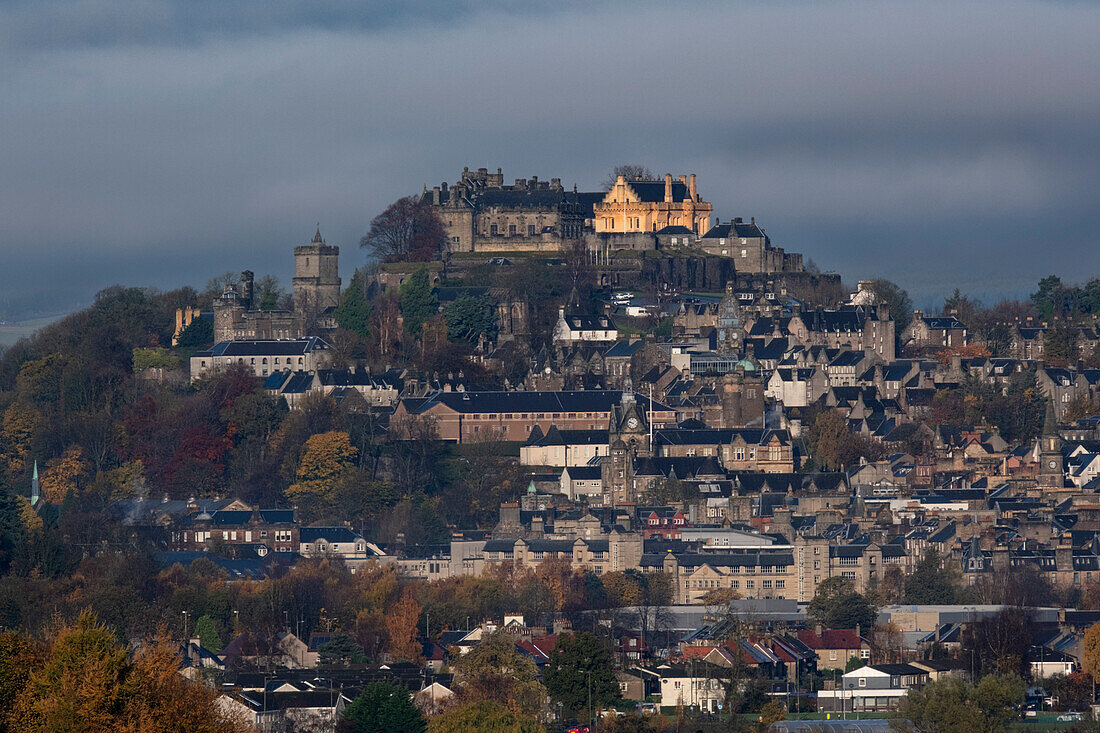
(330, 534)
(266, 347)
(511, 402)
(654, 191)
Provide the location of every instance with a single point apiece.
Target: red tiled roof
(830, 639)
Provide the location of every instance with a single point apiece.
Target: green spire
(34, 485)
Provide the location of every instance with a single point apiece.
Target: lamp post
(185, 627)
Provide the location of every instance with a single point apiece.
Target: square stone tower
(316, 275)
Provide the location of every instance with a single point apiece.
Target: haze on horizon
(161, 142)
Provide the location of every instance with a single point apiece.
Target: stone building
(480, 213)
(650, 206)
(750, 247)
(316, 275)
(316, 295)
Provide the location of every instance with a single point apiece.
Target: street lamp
(184, 627)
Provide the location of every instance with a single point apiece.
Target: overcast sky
(940, 145)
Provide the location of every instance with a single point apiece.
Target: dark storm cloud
(937, 144)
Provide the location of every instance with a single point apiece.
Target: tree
(470, 316)
(998, 644)
(85, 680)
(772, 712)
(629, 172)
(837, 605)
(269, 294)
(496, 671)
(21, 425)
(380, 708)
(580, 672)
(1091, 657)
(401, 629)
(930, 582)
(482, 716)
(952, 705)
(354, 312)
(207, 631)
(326, 459)
(896, 300)
(197, 335)
(341, 649)
(418, 302)
(68, 474)
(407, 230)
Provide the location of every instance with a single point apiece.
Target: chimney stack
(668, 188)
(691, 187)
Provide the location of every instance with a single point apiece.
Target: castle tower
(316, 275)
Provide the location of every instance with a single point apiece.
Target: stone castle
(482, 214)
(237, 315)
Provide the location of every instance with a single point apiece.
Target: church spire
(35, 488)
(1050, 422)
(317, 235)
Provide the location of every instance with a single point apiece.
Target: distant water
(15, 330)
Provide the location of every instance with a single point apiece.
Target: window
(530, 230)
(744, 253)
(492, 229)
(780, 584)
(862, 681)
(511, 230)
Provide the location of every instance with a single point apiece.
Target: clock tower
(1051, 470)
(630, 424)
(628, 438)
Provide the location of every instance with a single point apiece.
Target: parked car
(648, 708)
(1070, 717)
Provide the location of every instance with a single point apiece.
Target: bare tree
(630, 172)
(407, 230)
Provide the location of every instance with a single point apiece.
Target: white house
(691, 687)
(872, 688)
(579, 329)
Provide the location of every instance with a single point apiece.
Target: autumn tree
(68, 474)
(1090, 660)
(401, 629)
(20, 426)
(896, 300)
(496, 671)
(483, 715)
(85, 680)
(406, 230)
(326, 459)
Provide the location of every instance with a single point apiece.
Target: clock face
(1051, 464)
(632, 423)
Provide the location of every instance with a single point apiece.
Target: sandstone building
(649, 206)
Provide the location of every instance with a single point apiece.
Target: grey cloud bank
(941, 145)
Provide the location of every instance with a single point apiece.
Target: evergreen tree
(207, 631)
(382, 707)
(341, 649)
(580, 671)
(470, 316)
(353, 313)
(418, 302)
(929, 582)
(198, 334)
